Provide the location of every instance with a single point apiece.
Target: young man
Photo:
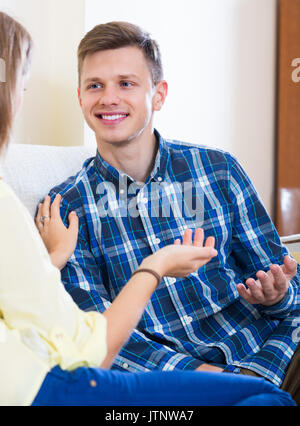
(140, 193)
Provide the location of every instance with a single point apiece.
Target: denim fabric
(98, 387)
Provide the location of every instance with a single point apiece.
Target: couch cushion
(32, 170)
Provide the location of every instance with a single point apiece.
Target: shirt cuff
(169, 362)
(188, 363)
(282, 308)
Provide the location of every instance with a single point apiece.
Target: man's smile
(111, 118)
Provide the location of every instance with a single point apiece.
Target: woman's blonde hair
(15, 54)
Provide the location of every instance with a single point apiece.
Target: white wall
(219, 61)
(51, 114)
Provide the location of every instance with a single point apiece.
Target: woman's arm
(126, 310)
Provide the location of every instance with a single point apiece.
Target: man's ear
(79, 97)
(161, 91)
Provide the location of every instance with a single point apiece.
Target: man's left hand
(270, 287)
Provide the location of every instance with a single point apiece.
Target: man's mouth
(112, 118)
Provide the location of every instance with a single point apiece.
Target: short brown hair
(115, 35)
(15, 52)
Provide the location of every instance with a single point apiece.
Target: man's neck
(135, 158)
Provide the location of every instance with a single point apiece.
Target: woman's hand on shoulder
(59, 240)
(181, 259)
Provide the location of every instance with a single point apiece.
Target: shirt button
(122, 191)
(93, 383)
(157, 241)
(189, 320)
(144, 200)
(125, 365)
(159, 179)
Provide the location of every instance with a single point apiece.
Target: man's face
(117, 95)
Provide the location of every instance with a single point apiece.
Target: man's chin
(117, 140)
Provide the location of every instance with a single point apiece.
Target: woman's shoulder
(9, 198)
(5, 190)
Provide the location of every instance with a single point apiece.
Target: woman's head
(15, 54)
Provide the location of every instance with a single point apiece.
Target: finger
(46, 212)
(205, 252)
(46, 206)
(289, 267)
(38, 222)
(255, 291)
(39, 215)
(267, 284)
(55, 207)
(280, 278)
(40, 227)
(198, 237)
(187, 237)
(210, 242)
(73, 222)
(244, 293)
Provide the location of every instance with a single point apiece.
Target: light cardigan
(40, 325)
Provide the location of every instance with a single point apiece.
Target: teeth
(113, 117)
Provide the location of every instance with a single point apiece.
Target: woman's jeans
(98, 387)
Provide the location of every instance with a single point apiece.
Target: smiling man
(210, 320)
(123, 119)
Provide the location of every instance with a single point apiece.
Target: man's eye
(94, 86)
(126, 84)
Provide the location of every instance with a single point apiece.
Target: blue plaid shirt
(201, 318)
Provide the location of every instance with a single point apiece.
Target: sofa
(32, 170)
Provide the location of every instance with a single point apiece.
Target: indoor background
(219, 58)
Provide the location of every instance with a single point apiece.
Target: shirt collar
(161, 161)
(105, 170)
(110, 174)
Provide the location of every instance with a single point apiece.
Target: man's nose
(110, 96)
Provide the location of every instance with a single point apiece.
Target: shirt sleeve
(33, 298)
(255, 241)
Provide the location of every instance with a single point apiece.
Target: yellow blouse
(40, 325)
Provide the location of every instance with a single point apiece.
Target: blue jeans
(98, 387)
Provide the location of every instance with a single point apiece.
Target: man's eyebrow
(128, 76)
(120, 77)
(91, 80)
